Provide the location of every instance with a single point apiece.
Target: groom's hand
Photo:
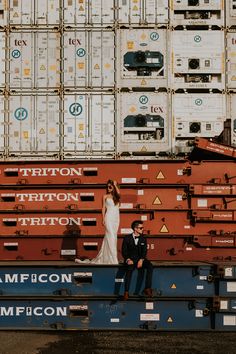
(129, 262)
(140, 263)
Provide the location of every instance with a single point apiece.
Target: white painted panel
(3, 13)
(231, 113)
(88, 12)
(47, 59)
(200, 115)
(198, 59)
(231, 59)
(34, 12)
(34, 60)
(230, 13)
(88, 59)
(21, 12)
(148, 12)
(47, 12)
(2, 58)
(33, 124)
(143, 122)
(88, 123)
(197, 13)
(142, 57)
(2, 123)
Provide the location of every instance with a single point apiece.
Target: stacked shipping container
(149, 69)
(114, 79)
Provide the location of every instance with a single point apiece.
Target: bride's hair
(114, 193)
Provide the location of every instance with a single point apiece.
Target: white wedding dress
(108, 251)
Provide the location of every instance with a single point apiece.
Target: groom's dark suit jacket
(130, 250)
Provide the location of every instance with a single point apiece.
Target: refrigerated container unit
(197, 13)
(198, 59)
(196, 114)
(143, 126)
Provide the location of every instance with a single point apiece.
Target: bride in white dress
(111, 220)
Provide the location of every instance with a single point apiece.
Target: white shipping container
(34, 60)
(88, 59)
(142, 58)
(231, 113)
(34, 12)
(230, 13)
(89, 124)
(143, 123)
(3, 13)
(2, 123)
(80, 13)
(197, 13)
(143, 12)
(2, 59)
(33, 125)
(231, 59)
(198, 59)
(198, 114)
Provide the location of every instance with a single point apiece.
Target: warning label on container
(149, 317)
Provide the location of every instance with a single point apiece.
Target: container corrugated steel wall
(115, 48)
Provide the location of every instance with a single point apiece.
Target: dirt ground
(22, 342)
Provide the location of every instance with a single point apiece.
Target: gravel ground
(117, 342)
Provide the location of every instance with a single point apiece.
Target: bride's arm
(103, 209)
(116, 187)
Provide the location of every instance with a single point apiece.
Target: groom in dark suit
(134, 251)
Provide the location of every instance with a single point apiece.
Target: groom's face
(139, 229)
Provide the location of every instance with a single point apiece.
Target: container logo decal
(198, 102)
(80, 52)
(154, 36)
(16, 54)
(197, 39)
(143, 99)
(75, 109)
(21, 113)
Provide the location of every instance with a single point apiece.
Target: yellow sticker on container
(233, 78)
(96, 66)
(143, 82)
(42, 131)
(52, 130)
(81, 8)
(81, 126)
(16, 134)
(164, 229)
(130, 44)
(143, 36)
(135, 8)
(170, 320)
(132, 109)
(42, 67)
(81, 135)
(80, 65)
(173, 286)
(53, 67)
(143, 149)
(157, 201)
(160, 175)
(26, 72)
(107, 66)
(15, 14)
(25, 134)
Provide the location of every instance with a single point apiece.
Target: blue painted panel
(99, 314)
(104, 281)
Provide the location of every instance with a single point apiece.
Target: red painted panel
(213, 203)
(69, 248)
(95, 172)
(157, 222)
(212, 189)
(39, 199)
